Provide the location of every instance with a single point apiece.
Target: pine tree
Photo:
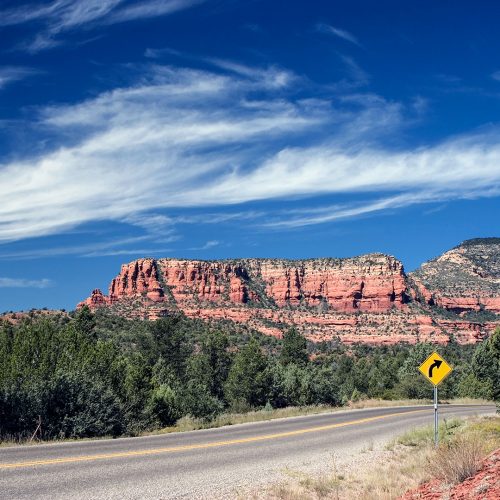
(294, 348)
(248, 381)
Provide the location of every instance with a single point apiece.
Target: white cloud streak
(140, 252)
(151, 8)
(322, 215)
(182, 138)
(10, 74)
(94, 249)
(209, 244)
(358, 75)
(24, 283)
(62, 16)
(340, 33)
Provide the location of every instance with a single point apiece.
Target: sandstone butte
(368, 299)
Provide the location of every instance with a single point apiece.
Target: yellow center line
(174, 449)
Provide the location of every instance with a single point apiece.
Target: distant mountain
(15, 317)
(464, 279)
(367, 299)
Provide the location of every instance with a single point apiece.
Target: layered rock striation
(464, 279)
(362, 299)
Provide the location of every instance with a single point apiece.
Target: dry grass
(459, 459)
(410, 460)
(467, 401)
(420, 436)
(190, 424)
(302, 486)
(387, 479)
(378, 403)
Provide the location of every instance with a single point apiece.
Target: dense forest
(85, 375)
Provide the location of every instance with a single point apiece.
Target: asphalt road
(215, 463)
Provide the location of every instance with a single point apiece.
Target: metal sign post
(436, 420)
(435, 369)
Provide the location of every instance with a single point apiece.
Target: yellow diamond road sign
(435, 369)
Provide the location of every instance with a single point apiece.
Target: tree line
(93, 375)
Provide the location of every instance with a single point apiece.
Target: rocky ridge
(466, 278)
(361, 299)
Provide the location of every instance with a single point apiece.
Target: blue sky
(225, 128)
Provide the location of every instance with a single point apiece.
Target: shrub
(458, 459)
(164, 405)
(471, 387)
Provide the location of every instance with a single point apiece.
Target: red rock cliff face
(97, 299)
(368, 283)
(207, 281)
(373, 283)
(364, 299)
(136, 279)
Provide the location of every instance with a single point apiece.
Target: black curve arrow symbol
(437, 363)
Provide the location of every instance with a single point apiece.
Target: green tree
(171, 343)
(471, 387)
(75, 407)
(412, 384)
(247, 384)
(217, 361)
(486, 363)
(290, 385)
(85, 322)
(135, 390)
(199, 402)
(35, 351)
(325, 385)
(164, 405)
(294, 349)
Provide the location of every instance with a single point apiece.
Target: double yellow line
(175, 449)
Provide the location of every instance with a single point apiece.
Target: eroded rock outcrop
(361, 299)
(368, 283)
(137, 278)
(464, 279)
(96, 299)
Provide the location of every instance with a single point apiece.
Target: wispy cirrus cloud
(496, 75)
(63, 16)
(181, 126)
(11, 74)
(274, 76)
(358, 75)
(326, 214)
(149, 8)
(180, 139)
(94, 249)
(271, 77)
(340, 33)
(209, 244)
(25, 283)
(139, 252)
(152, 53)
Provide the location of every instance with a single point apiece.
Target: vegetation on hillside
(468, 270)
(98, 375)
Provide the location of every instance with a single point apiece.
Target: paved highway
(220, 463)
